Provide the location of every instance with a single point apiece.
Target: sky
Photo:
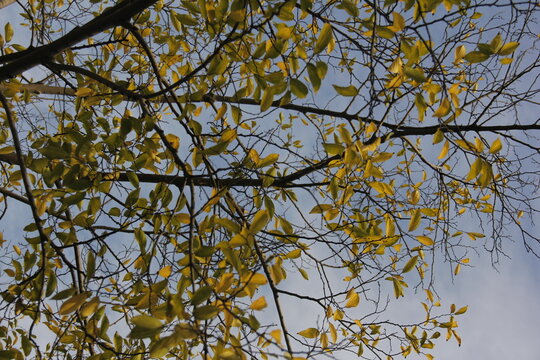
(503, 317)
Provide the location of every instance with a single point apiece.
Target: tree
(198, 171)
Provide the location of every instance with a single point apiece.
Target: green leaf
(486, 49)
(201, 295)
(333, 149)
(325, 36)
(476, 57)
(206, 312)
(298, 88)
(267, 99)
(313, 77)
(417, 74)
(186, 20)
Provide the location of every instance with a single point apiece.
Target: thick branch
(111, 17)
(5, 3)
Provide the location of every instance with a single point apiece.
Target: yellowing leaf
(267, 99)
(8, 31)
(444, 150)
(350, 90)
(146, 322)
(425, 240)
(228, 135)
(205, 312)
(333, 149)
(90, 307)
(476, 57)
(309, 333)
(410, 264)
(165, 271)
(324, 38)
(72, 304)
(353, 300)
(259, 304)
(496, 146)
(462, 310)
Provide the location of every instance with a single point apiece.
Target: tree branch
(111, 17)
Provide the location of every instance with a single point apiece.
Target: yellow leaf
(410, 264)
(353, 300)
(259, 304)
(444, 150)
(173, 140)
(496, 146)
(84, 91)
(294, 254)
(309, 333)
(333, 332)
(165, 271)
(508, 48)
(475, 169)
(399, 22)
(461, 311)
(260, 220)
(443, 109)
(228, 135)
(258, 279)
(459, 53)
(267, 161)
(415, 220)
(276, 335)
(425, 240)
(90, 307)
(284, 32)
(438, 137)
(72, 304)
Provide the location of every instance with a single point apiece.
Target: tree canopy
(199, 176)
